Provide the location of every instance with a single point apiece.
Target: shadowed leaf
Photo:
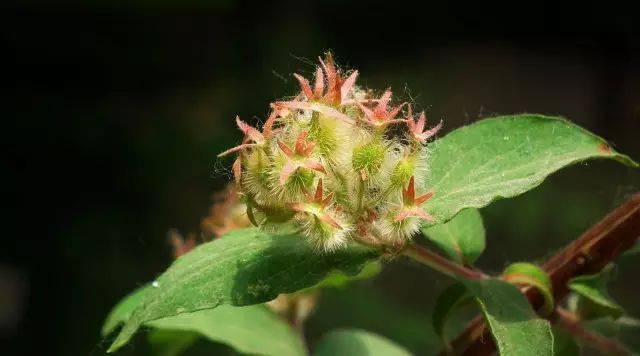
(355, 342)
(170, 342)
(451, 298)
(514, 325)
(594, 289)
(253, 330)
(564, 344)
(461, 238)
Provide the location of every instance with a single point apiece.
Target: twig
(571, 322)
(597, 247)
(439, 263)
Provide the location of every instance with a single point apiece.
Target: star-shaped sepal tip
(381, 115)
(417, 128)
(411, 203)
(337, 87)
(317, 205)
(328, 94)
(313, 106)
(299, 156)
(252, 136)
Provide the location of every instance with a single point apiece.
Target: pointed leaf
(253, 330)
(503, 157)
(122, 311)
(594, 289)
(462, 238)
(634, 251)
(515, 327)
(242, 268)
(355, 342)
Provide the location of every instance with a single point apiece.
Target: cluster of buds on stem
(336, 163)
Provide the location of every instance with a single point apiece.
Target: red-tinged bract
(324, 164)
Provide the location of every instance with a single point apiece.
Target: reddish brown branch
(571, 322)
(439, 263)
(598, 246)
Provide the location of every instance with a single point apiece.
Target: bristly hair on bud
(336, 137)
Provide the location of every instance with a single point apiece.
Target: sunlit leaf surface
(503, 157)
(244, 267)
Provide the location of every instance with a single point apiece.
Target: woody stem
(597, 247)
(571, 322)
(441, 264)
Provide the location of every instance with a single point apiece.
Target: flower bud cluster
(337, 163)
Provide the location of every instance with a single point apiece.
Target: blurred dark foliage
(116, 111)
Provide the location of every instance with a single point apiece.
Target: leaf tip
(122, 339)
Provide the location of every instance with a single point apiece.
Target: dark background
(116, 111)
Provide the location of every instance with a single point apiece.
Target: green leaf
(462, 238)
(355, 342)
(564, 344)
(532, 275)
(339, 279)
(503, 157)
(450, 299)
(365, 307)
(594, 289)
(122, 311)
(170, 342)
(251, 330)
(634, 251)
(244, 267)
(515, 327)
(629, 258)
(624, 329)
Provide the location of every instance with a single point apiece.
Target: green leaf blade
(461, 238)
(504, 157)
(170, 342)
(355, 342)
(593, 288)
(564, 343)
(451, 298)
(339, 279)
(122, 311)
(514, 325)
(253, 330)
(244, 267)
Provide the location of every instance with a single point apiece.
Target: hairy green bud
(336, 164)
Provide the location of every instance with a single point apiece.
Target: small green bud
(256, 178)
(403, 171)
(325, 131)
(368, 158)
